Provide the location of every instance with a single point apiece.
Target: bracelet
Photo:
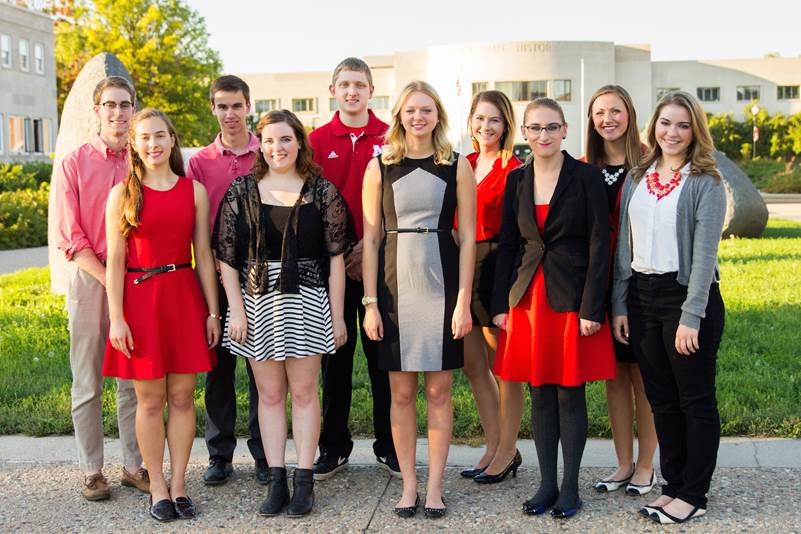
(216, 316)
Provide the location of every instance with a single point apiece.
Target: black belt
(418, 230)
(151, 271)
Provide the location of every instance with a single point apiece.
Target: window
(381, 102)
(303, 104)
(523, 91)
(477, 87)
(332, 104)
(2, 140)
(16, 134)
(746, 93)
(662, 91)
(47, 139)
(38, 58)
(787, 92)
(24, 56)
(562, 90)
(263, 106)
(708, 94)
(5, 51)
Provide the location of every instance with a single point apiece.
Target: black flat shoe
(532, 507)
(163, 510)
(564, 513)
(407, 512)
(436, 513)
(184, 508)
(660, 516)
(486, 478)
(473, 472)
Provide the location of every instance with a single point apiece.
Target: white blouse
(653, 227)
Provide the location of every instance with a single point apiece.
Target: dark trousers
(337, 369)
(221, 403)
(681, 389)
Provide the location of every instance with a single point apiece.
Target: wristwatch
(368, 300)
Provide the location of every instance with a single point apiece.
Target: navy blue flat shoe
(532, 507)
(564, 514)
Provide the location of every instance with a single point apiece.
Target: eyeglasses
(111, 106)
(535, 129)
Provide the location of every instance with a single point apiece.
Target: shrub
(23, 218)
(16, 176)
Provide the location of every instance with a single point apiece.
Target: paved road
(39, 491)
(24, 258)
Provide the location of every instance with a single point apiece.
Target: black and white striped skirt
(284, 325)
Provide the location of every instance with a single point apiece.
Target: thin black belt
(151, 271)
(418, 230)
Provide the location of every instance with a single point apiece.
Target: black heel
(486, 478)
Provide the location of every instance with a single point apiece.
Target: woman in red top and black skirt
(491, 123)
(550, 297)
(614, 146)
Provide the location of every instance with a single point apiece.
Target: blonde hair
(595, 143)
(700, 153)
(395, 139)
(131, 203)
(356, 65)
(500, 101)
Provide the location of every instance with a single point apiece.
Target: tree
(163, 44)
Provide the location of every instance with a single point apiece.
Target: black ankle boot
(279, 493)
(302, 493)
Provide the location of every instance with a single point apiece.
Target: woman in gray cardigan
(666, 302)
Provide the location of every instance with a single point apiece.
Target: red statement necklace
(659, 189)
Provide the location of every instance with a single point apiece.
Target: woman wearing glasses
(549, 300)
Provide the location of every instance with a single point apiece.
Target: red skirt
(543, 346)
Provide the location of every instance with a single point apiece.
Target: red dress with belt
(166, 312)
(543, 346)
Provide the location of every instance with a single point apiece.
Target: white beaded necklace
(612, 178)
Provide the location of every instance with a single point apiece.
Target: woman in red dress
(161, 332)
(550, 287)
(491, 124)
(614, 146)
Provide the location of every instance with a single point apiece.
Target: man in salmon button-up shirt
(83, 182)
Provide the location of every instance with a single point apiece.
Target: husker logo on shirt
(376, 150)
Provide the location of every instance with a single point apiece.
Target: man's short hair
(354, 64)
(113, 81)
(231, 84)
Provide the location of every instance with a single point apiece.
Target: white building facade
(568, 71)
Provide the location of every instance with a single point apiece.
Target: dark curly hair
(305, 165)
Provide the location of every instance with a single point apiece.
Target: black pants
(335, 437)
(681, 389)
(221, 403)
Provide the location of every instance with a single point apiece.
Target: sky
(304, 35)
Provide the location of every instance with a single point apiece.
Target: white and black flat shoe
(641, 489)
(660, 516)
(646, 511)
(605, 486)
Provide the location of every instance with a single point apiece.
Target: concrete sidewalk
(756, 488)
(23, 258)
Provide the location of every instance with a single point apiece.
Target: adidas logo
(332, 155)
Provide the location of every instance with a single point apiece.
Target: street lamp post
(755, 134)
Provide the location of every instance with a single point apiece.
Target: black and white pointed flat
(641, 489)
(659, 515)
(605, 486)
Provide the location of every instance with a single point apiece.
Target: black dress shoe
(262, 472)
(163, 510)
(436, 513)
(473, 472)
(218, 472)
(486, 478)
(184, 508)
(407, 512)
(302, 493)
(278, 497)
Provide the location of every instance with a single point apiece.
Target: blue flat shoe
(564, 514)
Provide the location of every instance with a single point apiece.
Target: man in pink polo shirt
(83, 182)
(230, 155)
(343, 147)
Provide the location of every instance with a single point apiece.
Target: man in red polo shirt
(230, 155)
(83, 182)
(343, 147)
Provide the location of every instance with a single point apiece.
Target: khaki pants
(87, 308)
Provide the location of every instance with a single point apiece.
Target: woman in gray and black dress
(417, 282)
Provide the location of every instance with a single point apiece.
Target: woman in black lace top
(280, 236)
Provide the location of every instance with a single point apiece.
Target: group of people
(552, 272)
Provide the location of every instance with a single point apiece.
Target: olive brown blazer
(573, 248)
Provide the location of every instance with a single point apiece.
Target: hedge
(17, 176)
(23, 218)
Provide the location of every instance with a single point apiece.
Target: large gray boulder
(746, 212)
(78, 125)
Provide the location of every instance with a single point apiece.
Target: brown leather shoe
(95, 488)
(139, 480)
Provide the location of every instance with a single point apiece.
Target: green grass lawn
(759, 370)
